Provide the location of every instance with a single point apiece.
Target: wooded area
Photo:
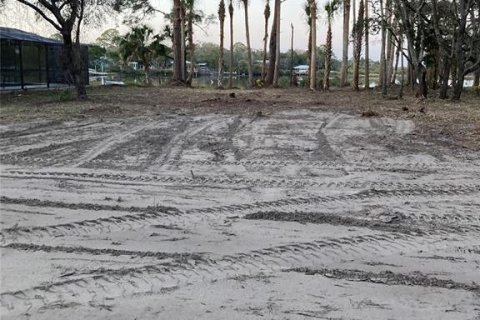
(438, 39)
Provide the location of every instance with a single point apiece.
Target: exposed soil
(190, 204)
(455, 123)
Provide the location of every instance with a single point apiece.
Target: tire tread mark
(145, 278)
(147, 218)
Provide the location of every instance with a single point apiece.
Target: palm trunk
(146, 70)
(230, 79)
(270, 78)
(383, 62)
(221, 17)
(346, 38)
(313, 57)
(310, 45)
(291, 58)
(182, 43)
(367, 47)
(276, 74)
(328, 57)
(191, 47)
(249, 49)
(265, 41)
(358, 36)
(390, 47)
(177, 42)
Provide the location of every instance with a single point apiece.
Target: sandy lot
(293, 214)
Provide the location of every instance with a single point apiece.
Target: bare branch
(41, 13)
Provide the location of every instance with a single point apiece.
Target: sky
(17, 16)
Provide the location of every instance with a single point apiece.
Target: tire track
(87, 206)
(388, 278)
(399, 223)
(110, 283)
(48, 127)
(115, 138)
(359, 166)
(179, 257)
(177, 144)
(188, 217)
(99, 225)
(205, 180)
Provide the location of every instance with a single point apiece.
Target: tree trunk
(383, 62)
(265, 41)
(249, 49)
(444, 77)
(221, 17)
(276, 74)
(73, 65)
(423, 87)
(191, 47)
(313, 57)
(291, 58)
(309, 50)
(433, 81)
(458, 87)
(390, 47)
(476, 82)
(409, 74)
(269, 80)
(402, 80)
(177, 42)
(395, 69)
(367, 47)
(357, 45)
(460, 51)
(146, 70)
(184, 50)
(354, 15)
(230, 78)
(328, 57)
(415, 56)
(476, 79)
(346, 40)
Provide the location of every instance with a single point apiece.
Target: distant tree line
(438, 39)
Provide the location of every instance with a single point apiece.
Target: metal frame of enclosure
(29, 60)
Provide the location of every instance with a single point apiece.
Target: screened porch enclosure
(28, 60)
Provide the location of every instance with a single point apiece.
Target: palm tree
(390, 44)
(367, 47)
(313, 35)
(274, 55)
(178, 39)
(221, 17)
(346, 40)
(249, 49)
(141, 44)
(358, 29)
(266, 13)
(306, 8)
(189, 6)
(330, 8)
(230, 12)
(383, 62)
(276, 74)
